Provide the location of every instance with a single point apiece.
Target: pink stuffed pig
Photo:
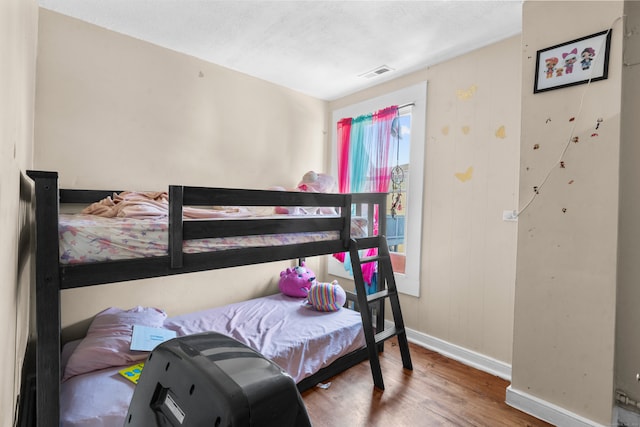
(296, 281)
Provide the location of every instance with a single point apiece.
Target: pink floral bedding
(154, 204)
(90, 238)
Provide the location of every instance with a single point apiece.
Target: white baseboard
(461, 354)
(546, 411)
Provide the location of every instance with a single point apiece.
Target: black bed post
(176, 197)
(47, 299)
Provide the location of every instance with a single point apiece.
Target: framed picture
(573, 63)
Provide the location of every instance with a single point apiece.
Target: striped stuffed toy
(326, 296)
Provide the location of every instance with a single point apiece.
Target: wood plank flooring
(438, 392)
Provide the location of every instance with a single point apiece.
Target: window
(405, 222)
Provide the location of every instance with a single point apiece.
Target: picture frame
(573, 63)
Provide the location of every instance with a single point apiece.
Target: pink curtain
(344, 138)
(377, 172)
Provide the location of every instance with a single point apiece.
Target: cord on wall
(559, 162)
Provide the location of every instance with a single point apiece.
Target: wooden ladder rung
(386, 334)
(367, 242)
(374, 258)
(379, 295)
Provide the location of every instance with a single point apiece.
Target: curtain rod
(411, 104)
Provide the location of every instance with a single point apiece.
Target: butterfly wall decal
(466, 175)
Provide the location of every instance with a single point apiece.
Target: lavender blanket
(297, 338)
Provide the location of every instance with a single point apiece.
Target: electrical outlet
(510, 216)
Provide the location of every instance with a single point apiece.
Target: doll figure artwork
(551, 65)
(570, 58)
(574, 62)
(587, 56)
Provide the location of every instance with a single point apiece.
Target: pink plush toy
(296, 281)
(312, 182)
(317, 182)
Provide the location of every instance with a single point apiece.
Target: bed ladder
(386, 289)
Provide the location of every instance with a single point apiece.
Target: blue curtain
(361, 135)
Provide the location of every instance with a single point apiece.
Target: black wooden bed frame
(53, 277)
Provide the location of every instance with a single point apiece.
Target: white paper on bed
(297, 338)
(145, 338)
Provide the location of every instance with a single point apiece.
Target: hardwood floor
(438, 392)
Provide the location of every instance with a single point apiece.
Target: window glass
(398, 197)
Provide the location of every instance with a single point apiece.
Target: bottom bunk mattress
(283, 329)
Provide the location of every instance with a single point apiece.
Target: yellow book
(132, 373)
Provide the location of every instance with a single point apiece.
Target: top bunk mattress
(88, 238)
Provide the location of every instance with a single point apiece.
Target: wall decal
(465, 176)
(501, 133)
(445, 130)
(466, 129)
(466, 93)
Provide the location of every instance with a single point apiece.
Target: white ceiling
(320, 48)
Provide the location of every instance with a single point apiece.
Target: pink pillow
(108, 340)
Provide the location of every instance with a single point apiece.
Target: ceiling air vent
(376, 72)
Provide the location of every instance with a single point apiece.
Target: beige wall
(18, 24)
(565, 301)
(468, 252)
(628, 314)
(117, 113)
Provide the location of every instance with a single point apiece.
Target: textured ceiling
(320, 48)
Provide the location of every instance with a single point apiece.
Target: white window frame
(409, 282)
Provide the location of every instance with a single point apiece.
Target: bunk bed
(54, 275)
